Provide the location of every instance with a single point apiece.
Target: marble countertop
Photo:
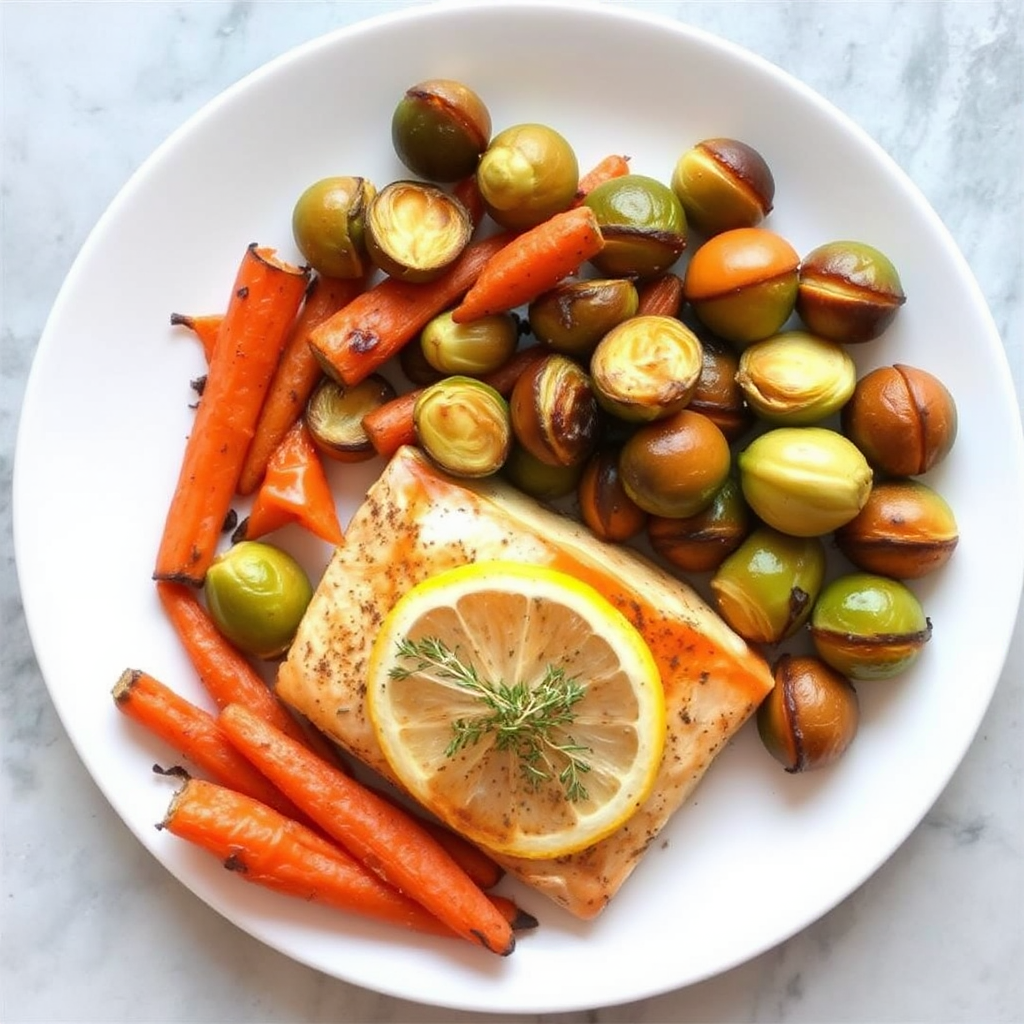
(93, 928)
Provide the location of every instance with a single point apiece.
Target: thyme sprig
(522, 718)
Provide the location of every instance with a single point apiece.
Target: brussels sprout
(848, 291)
(646, 368)
(805, 481)
(766, 588)
(604, 504)
(868, 626)
(528, 173)
(334, 416)
(700, 543)
(796, 378)
(256, 595)
(554, 411)
(742, 284)
(463, 425)
(905, 530)
(416, 231)
(474, 348)
(723, 184)
(328, 223)
(643, 225)
(675, 466)
(439, 129)
(574, 316)
(811, 716)
(539, 479)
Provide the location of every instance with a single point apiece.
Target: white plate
(757, 854)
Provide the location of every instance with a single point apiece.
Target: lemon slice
(518, 705)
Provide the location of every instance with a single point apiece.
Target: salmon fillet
(416, 522)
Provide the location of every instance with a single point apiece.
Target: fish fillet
(416, 522)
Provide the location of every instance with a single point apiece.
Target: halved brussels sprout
(334, 416)
(646, 368)
(415, 231)
(463, 425)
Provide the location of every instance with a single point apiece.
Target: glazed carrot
(264, 302)
(294, 490)
(390, 425)
(296, 375)
(223, 670)
(532, 263)
(504, 378)
(520, 920)
(205, 328)
(612, 166)
(372, 328)
(467, 191)
(485, 872)
(381, 835)
(272, 850)
(661, 296)
(193, 732)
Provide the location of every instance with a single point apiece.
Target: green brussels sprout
(643, 225)
(256, 595)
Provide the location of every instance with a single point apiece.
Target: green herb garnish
(522, 718)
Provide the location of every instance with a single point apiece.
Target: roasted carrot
(467, 191)
(504, 378)
(264, 302)
(296, 375)
(294, 490)
(610, 167)
(661, 296)
(485, 872)
(223, 670)
(520, 920)
(391, 425)
(269, 849)
(372, 328)
(385, 838)
(532, 263)
(205, 329)
(193, 732)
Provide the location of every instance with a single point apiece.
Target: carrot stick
(485, 872)
(263, 304)
(372, 328)
(269, 849)
(504, 378)
(532, 263)
(389, 426)
(381, 835)
(612, 166)
(193, 732)
(205, 329)
(296, 375)
(223, 670)
(467, 191)
(661, 296)
(294, 489)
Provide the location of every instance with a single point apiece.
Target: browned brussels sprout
(439, 129)
(328, 224)
(643, 225)
(416, 231)
(334, 416)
